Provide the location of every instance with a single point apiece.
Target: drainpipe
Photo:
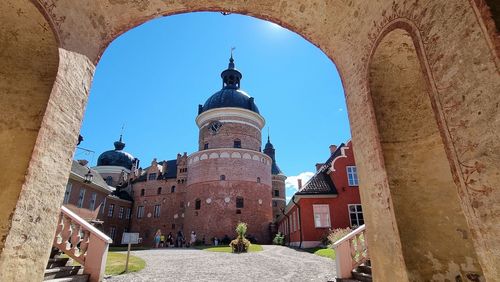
(298, 221)
(287, 220)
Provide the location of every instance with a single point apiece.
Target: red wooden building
(329, 200)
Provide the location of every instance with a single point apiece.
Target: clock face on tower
(214, 127)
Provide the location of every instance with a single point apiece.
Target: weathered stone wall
(456, 48)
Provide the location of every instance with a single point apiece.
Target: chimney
(299, 183)
(165, 167)
(318, 166)
(333, 148)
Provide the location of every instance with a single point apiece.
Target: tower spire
(231, 76)
(231, 60)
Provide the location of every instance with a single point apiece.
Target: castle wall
(249, 136)
(279, 202)
(247, 175)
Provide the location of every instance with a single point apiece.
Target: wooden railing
(82, 242)
(350, 252)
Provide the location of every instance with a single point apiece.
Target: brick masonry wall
(279, 185)
(249, 136)
(171, 208)
(218, 216)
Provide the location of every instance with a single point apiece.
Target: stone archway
(418, 171)
(467, 84)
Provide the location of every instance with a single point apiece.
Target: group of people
(160, 241)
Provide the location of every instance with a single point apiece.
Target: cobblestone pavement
(275, 263)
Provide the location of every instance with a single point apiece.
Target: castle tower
(229, 179)
(278, 180)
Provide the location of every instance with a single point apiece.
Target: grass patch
(227, 249)
(115, 263)
(124, 248)
(322, 252)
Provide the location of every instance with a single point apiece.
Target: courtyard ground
(274, 263)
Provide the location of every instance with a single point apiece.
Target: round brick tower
(229, 179)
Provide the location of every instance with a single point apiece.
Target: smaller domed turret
(116, 157)
(270, 151)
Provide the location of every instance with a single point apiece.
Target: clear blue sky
(153, 77)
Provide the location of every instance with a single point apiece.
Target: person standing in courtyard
(193, 238)
(162, 241)
(157, 238)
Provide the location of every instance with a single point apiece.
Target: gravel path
(275, 263)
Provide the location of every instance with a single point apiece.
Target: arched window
(222, 177)
(205, 146)
(258, 179)
(142, 192)
(237, 143)
(172, 189)
(239, 202)
(197, 204)
(158, 191)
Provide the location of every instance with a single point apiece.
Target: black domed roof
(230, 95)
(116, 157)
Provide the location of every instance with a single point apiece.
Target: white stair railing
(82, 242)
(350, 251)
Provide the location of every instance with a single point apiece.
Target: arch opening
(28, 70)
(417, 168)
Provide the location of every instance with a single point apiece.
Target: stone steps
(59, 269)
(362, 273)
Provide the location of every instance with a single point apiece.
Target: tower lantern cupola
(231, 77)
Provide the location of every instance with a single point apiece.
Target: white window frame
(111, 210)
(320, 211)
(129, 212)
(112, 232)
(121, 212)
(356, 213)
(352, 175)
(67, 193)
(140, 212)
(156, 213)
(81, 198)
(93, 198)
(103, 206)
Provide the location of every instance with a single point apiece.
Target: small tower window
(152, 176)
(158, 191)
(172, 189)
(109, 180)
(237, 143)
(197, 204)
(239, 202)
(142, 192)
(222, 177)
(276, 193)
(258, 179)
(205, 146)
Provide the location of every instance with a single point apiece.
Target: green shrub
(279, 239)
(241, 229)
(337, 234)
(240, 244)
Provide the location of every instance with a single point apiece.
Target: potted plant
(240, 244)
